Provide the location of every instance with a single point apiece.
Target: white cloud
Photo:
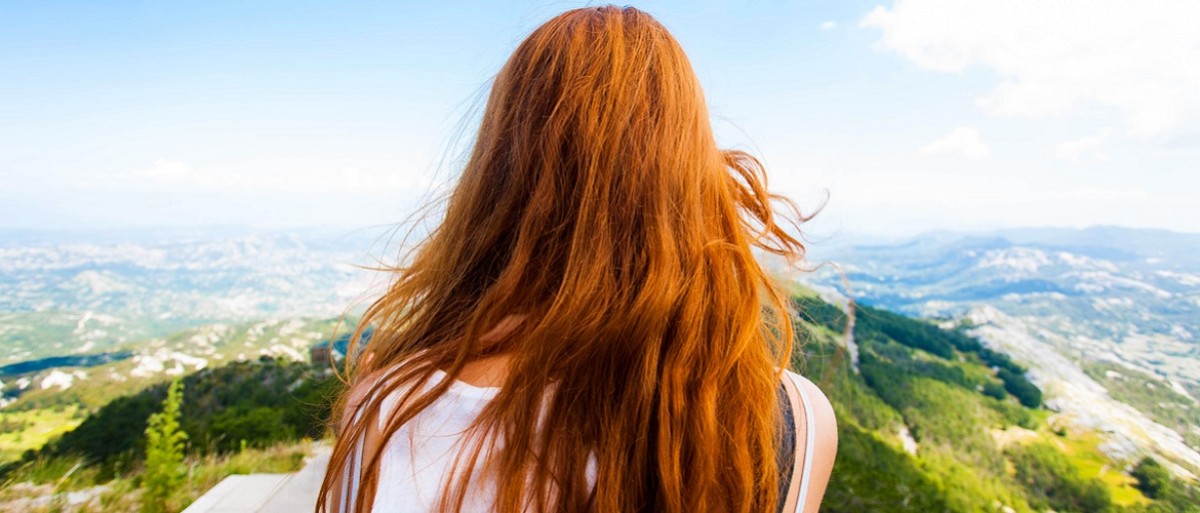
(1057, 56)
(962, 141)
(1083, 148)
(166, 170)
(829, 25)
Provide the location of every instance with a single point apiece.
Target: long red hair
(597, 205)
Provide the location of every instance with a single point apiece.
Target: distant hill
(41, 398)
(64, 294)
(92, 380)
(252, 403)
(1090, 311)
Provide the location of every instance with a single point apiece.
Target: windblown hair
(596, 205)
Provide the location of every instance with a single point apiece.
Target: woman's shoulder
(822, 433)
(815, 398)
(817, 404)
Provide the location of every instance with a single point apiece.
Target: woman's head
(595, 169)
(596, 205)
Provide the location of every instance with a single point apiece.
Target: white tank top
(420, 455)
(418, 458)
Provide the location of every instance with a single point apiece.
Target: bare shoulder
(361, 386)
(361, 390)
(824, 438)
(823, 415)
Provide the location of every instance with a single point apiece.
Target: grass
(1083, 449)
(21, 430)
(41, 486)
(41, 415)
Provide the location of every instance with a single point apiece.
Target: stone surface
(267, 493)
(239, 494)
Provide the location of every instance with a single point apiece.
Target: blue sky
(909, 115)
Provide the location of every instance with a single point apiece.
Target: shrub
(1052, 481)
(164, 452)
(1019, 386)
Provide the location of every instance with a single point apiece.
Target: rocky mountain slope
(1086, 310)
(87, 317)
(83, 293)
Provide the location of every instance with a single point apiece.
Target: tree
(1153, 479)
(1019, 386)
(164, 452)
(994, 390)
(237, 428)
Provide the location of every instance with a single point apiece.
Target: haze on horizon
(912, 115)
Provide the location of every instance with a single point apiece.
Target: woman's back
(419, 458)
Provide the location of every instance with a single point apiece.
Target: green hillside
(929, 421)
(35, 411)
(243, 404)
(933, 421)
(1148, 394)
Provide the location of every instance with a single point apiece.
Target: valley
(63, 294)
(1087, 311)
(1023, 386)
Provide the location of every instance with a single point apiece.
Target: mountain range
(1046, 369)
(1107, 319)
(78, 293)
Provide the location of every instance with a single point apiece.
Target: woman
(588, 329)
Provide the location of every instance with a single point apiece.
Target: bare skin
(824, 445)
(491, 371)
